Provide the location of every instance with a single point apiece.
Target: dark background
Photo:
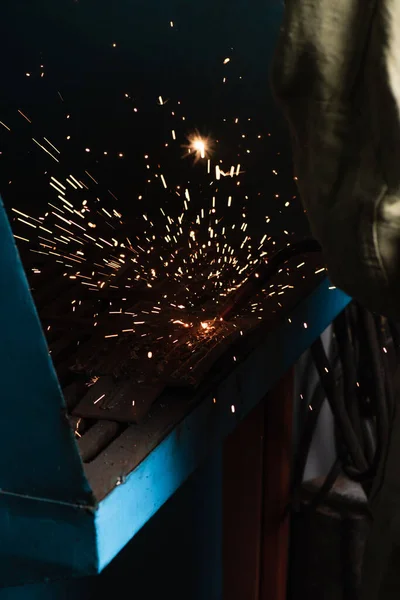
(73, 40)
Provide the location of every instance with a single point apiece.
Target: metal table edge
(122, 513)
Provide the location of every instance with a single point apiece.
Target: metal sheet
(139, 495)
(49, 524)
(42, 540)
(35, 435)
(123, 401)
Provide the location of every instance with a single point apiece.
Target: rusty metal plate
(122, 401)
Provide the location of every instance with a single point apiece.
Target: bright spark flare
(199, 146)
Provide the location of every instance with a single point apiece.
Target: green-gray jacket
(336, 74)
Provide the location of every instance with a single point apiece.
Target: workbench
(195, 486)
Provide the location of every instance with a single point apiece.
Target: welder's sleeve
(336, 76)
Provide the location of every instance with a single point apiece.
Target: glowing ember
(199, 146)
(206, 325)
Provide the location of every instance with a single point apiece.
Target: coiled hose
(358, 385)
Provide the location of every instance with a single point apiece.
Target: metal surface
(264, 271)
(45, 500)
(32, 409)
(125, 510)
(50, 525)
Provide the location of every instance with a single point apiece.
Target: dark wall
(86, 78)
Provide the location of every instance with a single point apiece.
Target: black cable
(341, 328)
(377, 391)
(303, 449)
(364, 406)
(338, 408)
(389, 372)
(386, 362)
(349, 440)
(364, 412)
(361, 408)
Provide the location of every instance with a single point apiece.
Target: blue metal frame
(50, 523)
(129, 506)
(32, 414)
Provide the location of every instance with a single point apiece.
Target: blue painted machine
(67, 506)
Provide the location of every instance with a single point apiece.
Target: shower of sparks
(186, 260)
(199, 251)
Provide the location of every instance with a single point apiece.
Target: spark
(52, 145)
(92, 178)
(56, 188)
(24, 115)
(199, 146)
(78, 183)
(58, 183)
(45, 149)
(198, 249)
(21, 213)
(26, 222)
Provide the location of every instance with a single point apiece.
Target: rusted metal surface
(99, 436)
(132, 468)
(123, 400)
(141, 386)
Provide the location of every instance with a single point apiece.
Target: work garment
(336, 75)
